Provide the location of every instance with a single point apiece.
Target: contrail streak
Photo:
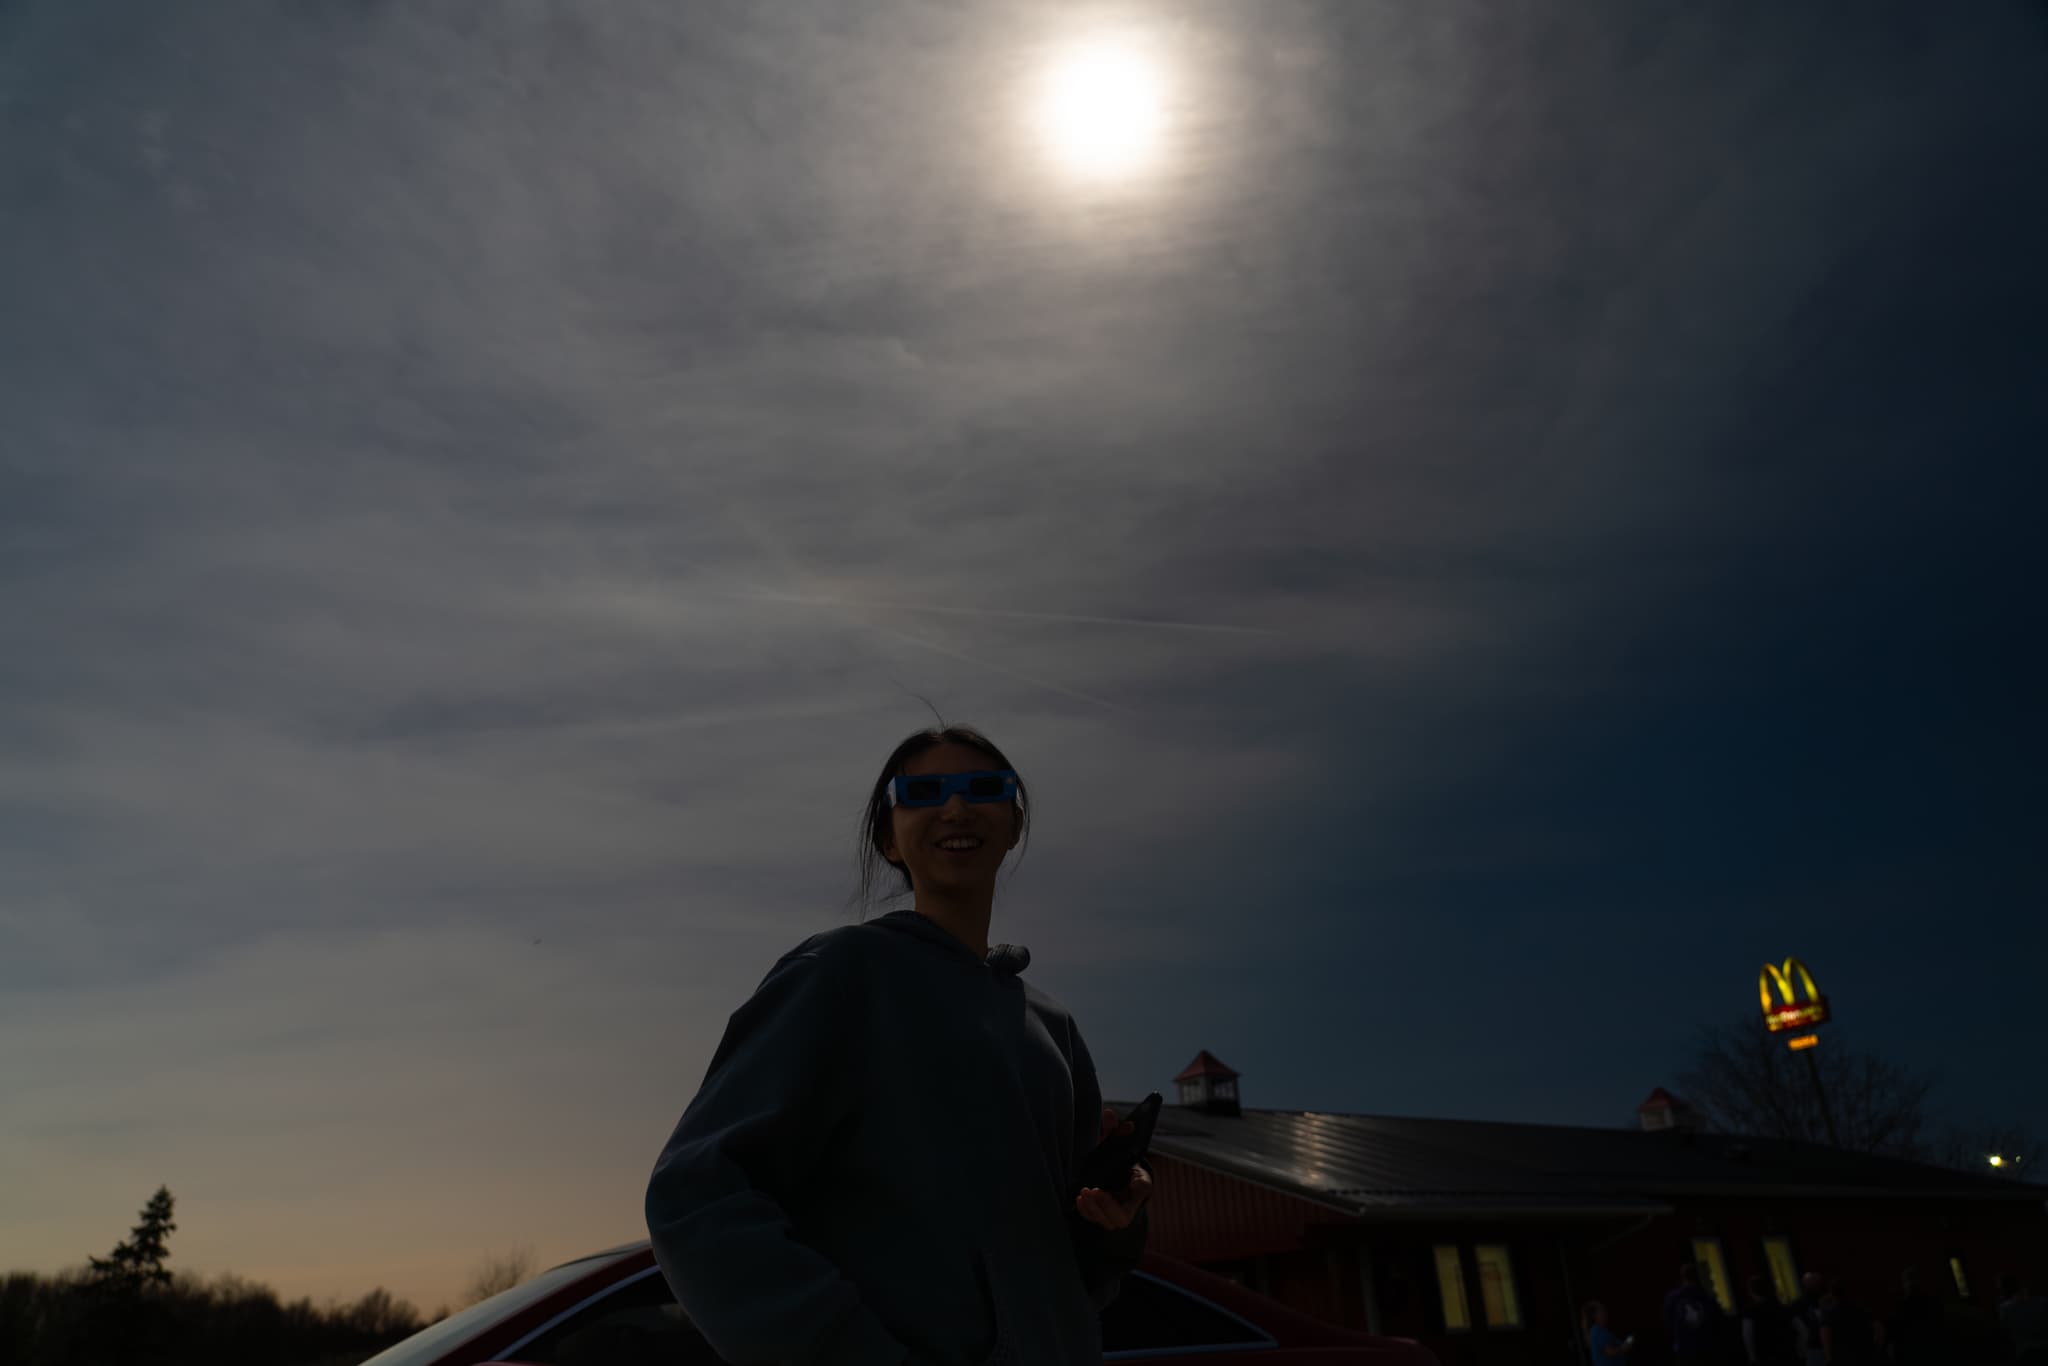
(1075, 618)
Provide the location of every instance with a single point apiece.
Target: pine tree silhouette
(138, 1264)
(130, 1323)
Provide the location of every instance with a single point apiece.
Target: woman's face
(917, 832)
(1600, 1316)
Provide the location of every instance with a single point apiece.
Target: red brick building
(1483, 1239)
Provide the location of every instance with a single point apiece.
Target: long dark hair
(876, 825)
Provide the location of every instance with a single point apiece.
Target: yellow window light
(1706, 1254)
(1450, 1285)
(1784, 1269)
(1497, 1286)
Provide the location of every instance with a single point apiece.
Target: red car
(614, 1309)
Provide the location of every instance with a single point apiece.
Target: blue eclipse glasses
(933, 789)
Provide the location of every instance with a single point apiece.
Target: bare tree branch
(497, 1274)
(1744, 1080)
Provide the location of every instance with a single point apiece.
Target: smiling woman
(1101, 108)
(896, 1090)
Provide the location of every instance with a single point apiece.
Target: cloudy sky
(1479, 527)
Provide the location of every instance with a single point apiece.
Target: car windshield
(432, 1340)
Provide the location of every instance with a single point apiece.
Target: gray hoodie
(879, 1167)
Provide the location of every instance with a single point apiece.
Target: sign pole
(1783, 1010)
(1821, 1094)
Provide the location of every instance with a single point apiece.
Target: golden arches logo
(1787, 1011)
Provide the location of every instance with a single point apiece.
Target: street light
(2001, 1160)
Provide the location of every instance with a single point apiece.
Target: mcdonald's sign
(1782, 1009)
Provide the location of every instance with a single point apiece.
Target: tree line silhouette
(129, 1309)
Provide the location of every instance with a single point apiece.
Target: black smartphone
(1109, 1166)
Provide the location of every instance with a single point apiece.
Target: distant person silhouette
(2024, 1317)
(1846, 1329)
(880, 1165)
(1692, 1321)
(1916, 1333)
(1806, 1320)
(1601, 1343)
(1767, 1337)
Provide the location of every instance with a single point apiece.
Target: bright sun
(1100, 109)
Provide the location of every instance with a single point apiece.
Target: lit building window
(1706, 1252)
(1450, 1288)
(1784, 1269)
(1955, 1269)
(1497, 1286)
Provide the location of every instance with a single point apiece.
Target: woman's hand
(1099, 1206)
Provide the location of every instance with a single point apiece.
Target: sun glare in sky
(1100, 108)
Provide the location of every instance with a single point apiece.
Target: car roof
(640, 1245)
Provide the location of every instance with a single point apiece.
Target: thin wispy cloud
(998, 613)
(484, 473)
